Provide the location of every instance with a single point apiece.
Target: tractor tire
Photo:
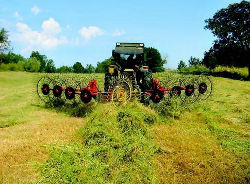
(147, 81)
(107, 81)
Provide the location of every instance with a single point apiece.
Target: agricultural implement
(127, 79)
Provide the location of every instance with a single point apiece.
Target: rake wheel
(43, 88)
(191, 93)
(205, 87)
(85, 96)
(70, 93)
(157, 96)
(56, 97)
(57, 91)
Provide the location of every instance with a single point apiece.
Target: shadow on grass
(225, 74)
(74, 109)
(230, 75)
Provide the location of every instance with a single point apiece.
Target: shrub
(181, 65)
(64, 69)
(231, 72)
(219, 71)
(12, 67)
(31, 65)
(195, 69)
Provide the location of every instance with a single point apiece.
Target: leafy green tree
(164, 60)
(181, 65)
(209, 59)
(11, 58)
(89, 69)
(64, 69)
(78, 68)
(50, 66)
(194, 61)
(41, 58)
(4, 40)
(154, 59)
(46, 65)
(31, 65)
(231, 27)
(102, 67)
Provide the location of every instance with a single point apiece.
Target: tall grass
(219, 71)
(231, 72)
(196, 70)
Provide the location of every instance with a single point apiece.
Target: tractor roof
(129, 48)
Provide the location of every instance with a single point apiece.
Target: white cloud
(45, 39)
(91, 31)
(51, 26)
(27, 49)
(118, 33)
(35, 10)
(16, 14)
(22, 27)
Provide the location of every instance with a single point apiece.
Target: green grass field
(205, 143)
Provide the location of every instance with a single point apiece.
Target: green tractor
(128, 69)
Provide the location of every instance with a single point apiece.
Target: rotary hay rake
(61, 90)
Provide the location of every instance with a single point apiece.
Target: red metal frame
(157, 87)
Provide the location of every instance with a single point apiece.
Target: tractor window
(125, 56)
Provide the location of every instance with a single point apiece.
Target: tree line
(231, 27)
(40, 63)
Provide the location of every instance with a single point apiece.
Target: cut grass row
(116, 148)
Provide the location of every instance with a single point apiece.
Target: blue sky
(87, 30)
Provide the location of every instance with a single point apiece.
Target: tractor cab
(128, 55)
(128, 60)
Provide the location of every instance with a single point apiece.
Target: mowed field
(208, 142)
